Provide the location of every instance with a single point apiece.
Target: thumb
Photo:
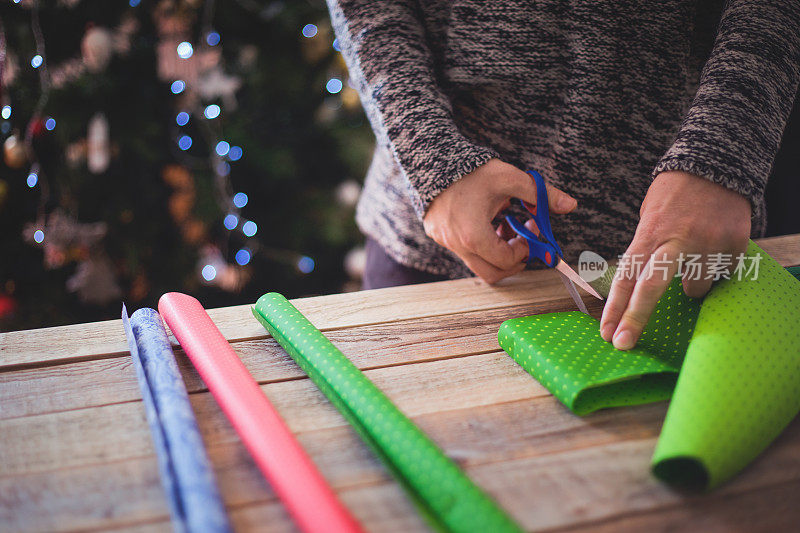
(558, 201)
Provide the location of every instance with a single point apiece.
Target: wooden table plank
(99, 382)
(77, 453)
(86, 341)
(476, 435)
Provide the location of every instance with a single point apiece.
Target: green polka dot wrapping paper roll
(730, 365)
(444, 495)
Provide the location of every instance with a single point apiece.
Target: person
(655, 125)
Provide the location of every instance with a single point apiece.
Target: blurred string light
(212, 111)
(209, 272)
(6, 112)
(334, 85)
(336, 45)
(185, 50)
(36, 61)
(309, 30)
(33, 179)
(223, 168)
(50, 124)
(240, 199)
(235, 153)
(231, 221)
(177, 86)
(249, 228)
(134, 3)
(222, 150)
(182, 119)
(243, 256)
(212, 38)
(185, 142)
(305, 265)
(38, 236)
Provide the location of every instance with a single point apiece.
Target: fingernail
(623, 340)
(566, 202)
(607, 331)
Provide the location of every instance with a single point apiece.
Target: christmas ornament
(14, 152)
(94, 281)
(98, 150)
(97, 47)
(7, 306)
(215, 84)
(64, 238)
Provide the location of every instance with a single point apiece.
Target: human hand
(681, 214)
(460, 218)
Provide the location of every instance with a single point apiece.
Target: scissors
(547, 250)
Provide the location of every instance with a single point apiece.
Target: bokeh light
(334, 85)
(240, 199)
(212, 111)
(212, 38)
(235, 153)
(309, 30)
(243, 256)
(177, 86)
(185, 50)
(209, 272)
(305, 265)
(231, 221)
(249, 228)
(222, 148)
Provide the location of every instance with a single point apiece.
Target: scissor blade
(572, 275)
(574, 293)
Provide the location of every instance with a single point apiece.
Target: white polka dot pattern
(442, 492)
(738, 357)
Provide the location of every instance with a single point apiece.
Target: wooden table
(76, 452)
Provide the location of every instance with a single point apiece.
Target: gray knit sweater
(599, 96)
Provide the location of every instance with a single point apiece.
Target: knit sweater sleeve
(384, 45)
(733, 129)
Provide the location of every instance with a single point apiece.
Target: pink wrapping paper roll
(284, 463)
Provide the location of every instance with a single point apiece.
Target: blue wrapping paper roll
(186, 473)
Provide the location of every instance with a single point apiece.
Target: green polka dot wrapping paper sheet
(731, 365)
(442, 493)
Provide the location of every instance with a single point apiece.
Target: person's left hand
(681, 214)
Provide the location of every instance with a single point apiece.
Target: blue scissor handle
(548, 252)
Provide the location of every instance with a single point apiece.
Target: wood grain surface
(76, 452)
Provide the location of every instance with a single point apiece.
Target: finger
(486, 271)
(559, 202)
(694, 273)
(650, 286)
(505, 232)
(494, 250)
(628, 270)
(531, 225)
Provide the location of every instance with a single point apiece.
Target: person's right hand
(460, 218)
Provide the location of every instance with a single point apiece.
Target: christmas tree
(208, 147)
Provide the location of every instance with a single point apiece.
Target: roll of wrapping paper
(442, 492)
(734, 364)
(279, 456)
(186, 473)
